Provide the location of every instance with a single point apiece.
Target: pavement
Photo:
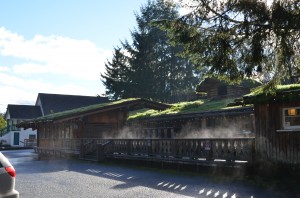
(76, 178)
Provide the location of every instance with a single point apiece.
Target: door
(16, 138)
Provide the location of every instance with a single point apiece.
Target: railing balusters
(195, 149)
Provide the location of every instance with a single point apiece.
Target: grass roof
(261, 94)
(278, 89)
(184, 107)
(177, 108)
(77, 111)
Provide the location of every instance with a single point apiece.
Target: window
(291, 118)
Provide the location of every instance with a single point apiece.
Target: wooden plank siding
(224, 124)
(219, 89)
(237, 90)
(271, 143)
(213, 92)
(232, 91)
(56, 135)
(60, 135)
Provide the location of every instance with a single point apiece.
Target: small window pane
(293, 121)
(291, 118)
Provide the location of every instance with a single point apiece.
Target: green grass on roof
(63, 114)
(261, 91)
(267, 94)
(184, 107)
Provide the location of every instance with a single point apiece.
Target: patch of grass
(59, 115)
(184, 107)
(260, 91)
(265, 95)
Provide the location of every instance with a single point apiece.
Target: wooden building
(102, 131)
(220, 134)
(277, 124)
(68, 130)
(216, 89)
(230, 123)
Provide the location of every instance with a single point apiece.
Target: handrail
(29, 142)
(229, 149)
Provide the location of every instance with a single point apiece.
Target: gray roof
(23, 111)
(54, 103)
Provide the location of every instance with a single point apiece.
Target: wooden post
(149, 147)
(100, 152)
(82, 150)
(208, 149)
(128, 147)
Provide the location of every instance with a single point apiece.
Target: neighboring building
(45, 104)
(216, 89)
(54, 103)
(14, 115)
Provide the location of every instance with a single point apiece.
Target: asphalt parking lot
(75, 178)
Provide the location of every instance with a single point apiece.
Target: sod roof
(201, 107)
(125, 104)
(279, 93)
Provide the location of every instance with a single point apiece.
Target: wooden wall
(104, 125)
(218, 126)
(64, 134)
(52, 135)
(213, 92)
(237, 91)
(231, 91)
(270, 143)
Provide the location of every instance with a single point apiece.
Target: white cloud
(18, 90)
(80, 59)
(48, 64)
(4, 69)
(23, 83)
(30, 68)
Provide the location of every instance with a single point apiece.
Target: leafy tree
(2, 121)
(149, 67)
(236, 39)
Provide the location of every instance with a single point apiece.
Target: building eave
(125, 105)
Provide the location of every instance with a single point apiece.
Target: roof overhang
(78, 114)
(279, 96)
(241, 111)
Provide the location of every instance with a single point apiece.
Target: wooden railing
(71, 144)
(190, 149)
(29, 142)
(89, 145)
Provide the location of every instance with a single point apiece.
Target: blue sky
(59, 46)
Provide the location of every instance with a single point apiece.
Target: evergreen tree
(239, 39)
(153, 68)
(116, 75)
